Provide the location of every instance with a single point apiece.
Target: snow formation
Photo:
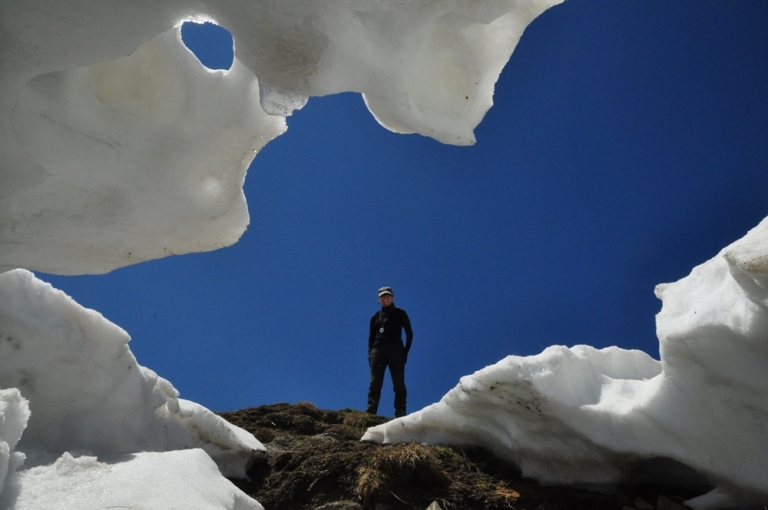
(117, 146)
(88, 417)
(583, 415)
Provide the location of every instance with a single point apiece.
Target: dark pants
(392, 355)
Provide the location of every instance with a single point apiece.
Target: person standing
(385, 349)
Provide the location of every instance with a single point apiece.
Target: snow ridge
(83, 411)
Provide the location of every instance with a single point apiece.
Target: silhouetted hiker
(385, 349)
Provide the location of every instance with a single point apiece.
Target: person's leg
(378, 364)
(397, 371)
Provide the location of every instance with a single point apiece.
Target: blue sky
(628, 143)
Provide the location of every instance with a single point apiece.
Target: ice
(117, 146)
(80, 390)
(583, 415)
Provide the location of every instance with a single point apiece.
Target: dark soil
(316, 457)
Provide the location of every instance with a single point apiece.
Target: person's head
(386, 296)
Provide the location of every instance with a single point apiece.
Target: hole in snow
(213, 45)
(665, 472)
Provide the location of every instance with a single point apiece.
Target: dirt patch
(316, 457)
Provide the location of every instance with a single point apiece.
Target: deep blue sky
(628, 143)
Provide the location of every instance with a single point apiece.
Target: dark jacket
(394, 321)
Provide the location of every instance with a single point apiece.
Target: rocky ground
(315, 460)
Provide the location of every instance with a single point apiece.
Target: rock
(340, 505)
(435, 506)
(642, 504)
(280, 444)
(664, 503)
(327, 436)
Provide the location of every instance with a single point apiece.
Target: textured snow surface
(14, 413)
(83, 391)
(178, 480)
(583, 415)
(117, 146)
(140, 158)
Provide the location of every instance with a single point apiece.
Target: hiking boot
(399, 413)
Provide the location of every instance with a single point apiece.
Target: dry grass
(505, 493)
(406, 459)
(371, 483)
(397, 464)
(359, 419)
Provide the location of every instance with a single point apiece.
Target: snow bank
(87, 393)
(108, 160)
(582, 415)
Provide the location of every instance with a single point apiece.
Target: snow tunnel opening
(213, 45)
(668, 473)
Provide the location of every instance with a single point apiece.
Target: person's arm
(408, 331)
(371, 334)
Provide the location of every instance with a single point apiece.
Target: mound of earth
(315, 457)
